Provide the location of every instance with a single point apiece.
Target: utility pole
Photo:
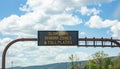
(89, 65)
(12, 64)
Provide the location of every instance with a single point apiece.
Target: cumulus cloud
(43, 17)
(78, 3)
(46, 15)
(28, 25)
(115, 29)
(60, 5)
(85, 11)
(97, 22)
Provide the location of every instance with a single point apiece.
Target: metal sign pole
(12, 42)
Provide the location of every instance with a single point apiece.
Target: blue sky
(11, 7)
(23, 18)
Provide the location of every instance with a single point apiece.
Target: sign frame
(72, 35)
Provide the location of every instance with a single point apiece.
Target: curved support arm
(12, 42)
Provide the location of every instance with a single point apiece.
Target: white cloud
(78, 3)
(45, 15)
(8, 23)
(55, 6)
(115, 29)
(42, 19)
(85, 11)
(30, 23)
(97, 22)
(65, 19)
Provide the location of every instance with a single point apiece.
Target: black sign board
(63, 38)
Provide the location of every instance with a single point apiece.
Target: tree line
(100, 60)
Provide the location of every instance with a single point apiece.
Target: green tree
(100, 61)
(91, 65)
(116, 62)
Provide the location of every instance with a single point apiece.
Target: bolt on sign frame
(82, 42)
